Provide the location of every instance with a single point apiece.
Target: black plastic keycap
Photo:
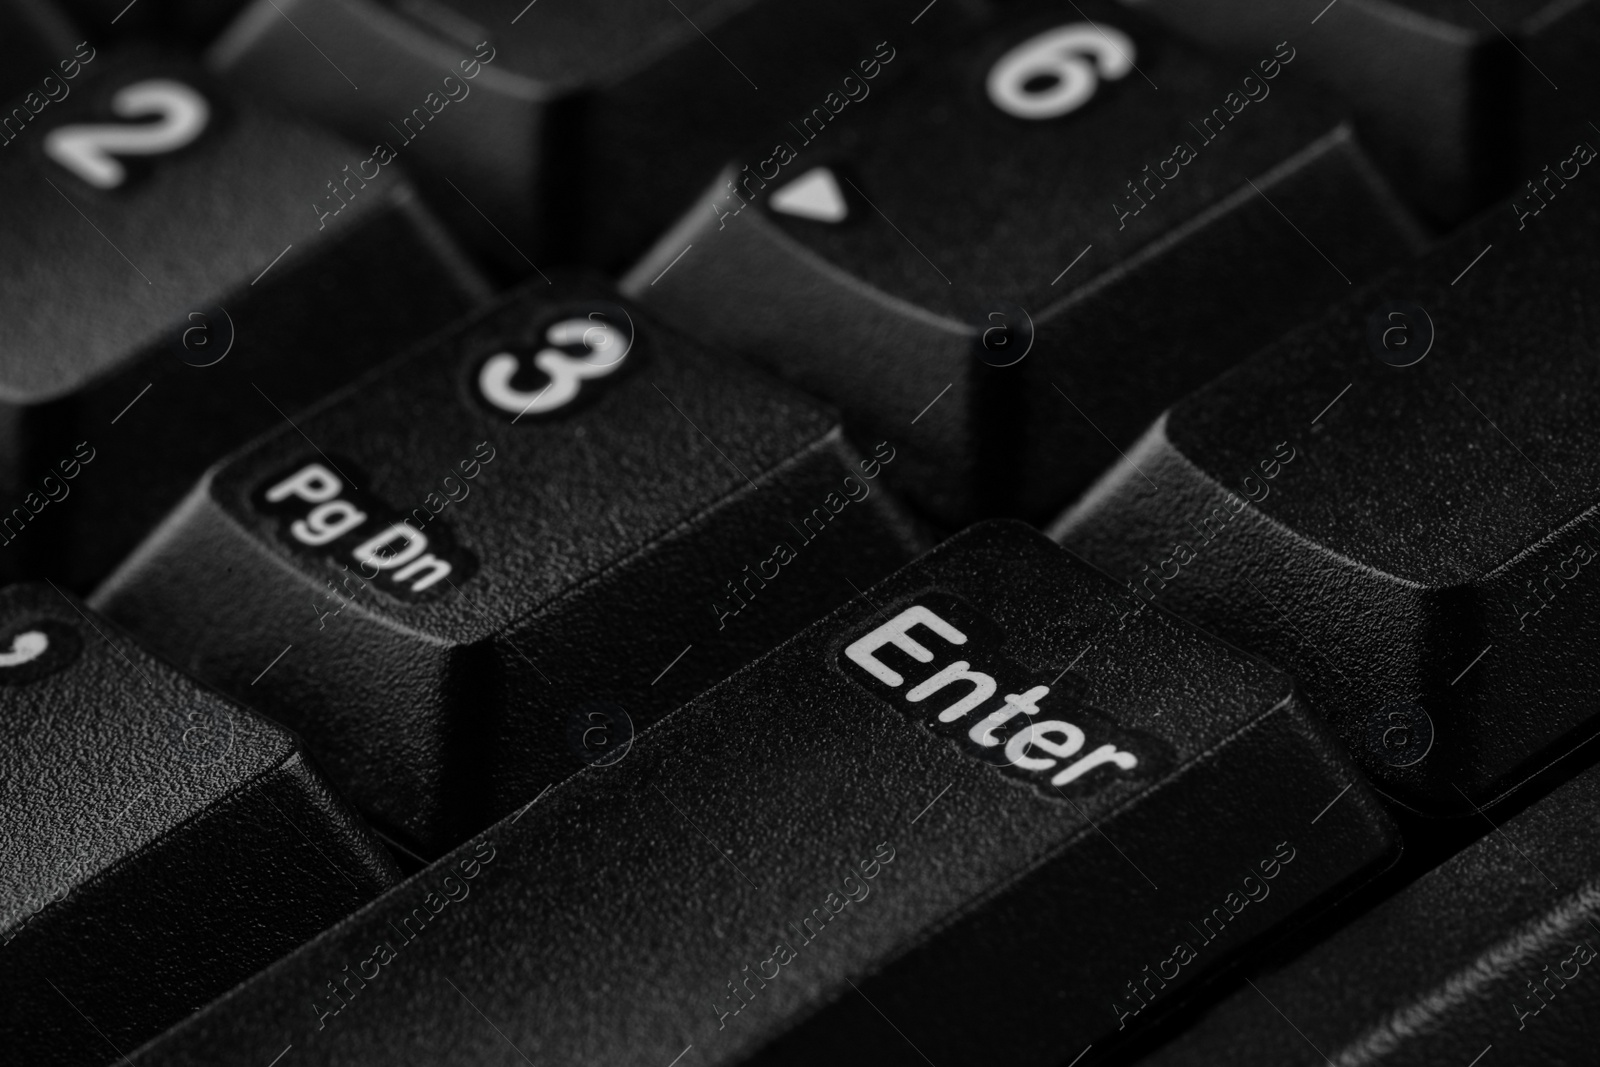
(169, 293)
(494, 555)
(158, 843)
(816, 862)
(1455, 99)
(1489, 959)
(565, 129)
(1018, 254)
(1397, 504)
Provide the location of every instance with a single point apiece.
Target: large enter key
(969, 814)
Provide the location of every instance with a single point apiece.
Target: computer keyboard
(759, 532)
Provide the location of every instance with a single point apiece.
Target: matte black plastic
(1412, 542)
(168, 319)
(959, 212)
(568, 130)
(601, 555)
(160, 843)
(35, 39)
(1490, 958)
(986, 921)
(1454, 99)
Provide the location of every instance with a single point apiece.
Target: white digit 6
(89, 150)
(606, 346)
(1068, 56)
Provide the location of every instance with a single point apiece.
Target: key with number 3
(478, 568)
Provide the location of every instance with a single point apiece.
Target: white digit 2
(25, 647)
(1065, 60)
(90, 150)
(607, 347)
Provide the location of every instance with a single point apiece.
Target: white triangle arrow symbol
(813, 195)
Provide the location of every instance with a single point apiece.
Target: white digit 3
(606, 346)
(90, 150)
(1065, 61)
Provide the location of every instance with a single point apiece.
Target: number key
(179, 294)
(561, 517)
(1132, 241)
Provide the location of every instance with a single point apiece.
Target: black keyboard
(679, 532)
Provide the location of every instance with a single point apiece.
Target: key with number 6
(489, 562)
(983, 258)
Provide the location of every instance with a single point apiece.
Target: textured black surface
(89, 320)
(594, 545)
(160, 843)
(583, 720)
(957, 207)
(1427, 543)
(1454, 99)
(619, 908)
(1498, 947)
(592, 125)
